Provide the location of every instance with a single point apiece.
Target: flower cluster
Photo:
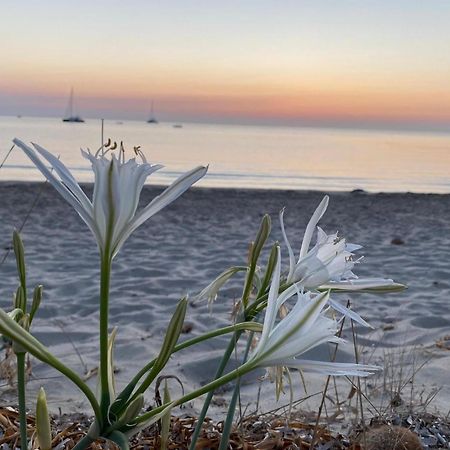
(289, 330)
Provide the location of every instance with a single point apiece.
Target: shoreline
(249, 190)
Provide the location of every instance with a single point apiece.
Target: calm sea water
(248, 156)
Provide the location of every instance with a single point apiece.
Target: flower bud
(37, 297)
(261, 238)
(19, 251)
(43, 431)
(19, 299)
(165, 420)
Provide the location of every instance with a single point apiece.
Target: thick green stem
(105, 276)
(22, 404)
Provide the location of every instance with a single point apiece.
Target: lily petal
(63, 191)
(364, 284)
(347, 312)
(66, 177)
(318, 213)
(288, 245)
(178, 187)
(334, 368)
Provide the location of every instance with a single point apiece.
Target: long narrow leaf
(132, 430)
(15, 332)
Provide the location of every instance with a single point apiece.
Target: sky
(318, 62)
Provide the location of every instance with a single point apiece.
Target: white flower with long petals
(305, 327)
(111, 215)
(329, 262)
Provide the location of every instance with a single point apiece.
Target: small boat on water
(152, 118)
(70, 116)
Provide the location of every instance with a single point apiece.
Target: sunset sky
(317, 62)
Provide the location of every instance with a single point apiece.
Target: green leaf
(132, 411)
(131, 431)
(15, 314)
(110, 368)
(111, 380)
(43, 430)
(16, 333)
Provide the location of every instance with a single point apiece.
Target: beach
(186, 245)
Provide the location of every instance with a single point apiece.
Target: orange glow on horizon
(240, 93)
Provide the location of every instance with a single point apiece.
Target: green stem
(219, 372)
(22, 405)
(232, 407)
(249, 313)
(105, 276)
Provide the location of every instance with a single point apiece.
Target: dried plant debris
(444, 342)
(252, 433)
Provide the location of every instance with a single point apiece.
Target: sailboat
(152, 118)
(70, 116)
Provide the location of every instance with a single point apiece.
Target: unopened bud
(19, 251)
(43, 430)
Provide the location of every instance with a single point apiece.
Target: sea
(269, 157)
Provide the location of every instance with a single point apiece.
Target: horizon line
(367, 124)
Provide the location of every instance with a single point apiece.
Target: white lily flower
(305, 327)
(111, 215)
(329, 262)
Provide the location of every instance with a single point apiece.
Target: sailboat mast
(71, 103)
(152, 118)
(70, 117)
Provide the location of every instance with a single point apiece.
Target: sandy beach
(187, 244)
